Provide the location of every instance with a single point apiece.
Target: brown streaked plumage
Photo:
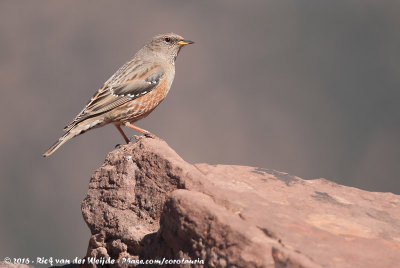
(132, 93)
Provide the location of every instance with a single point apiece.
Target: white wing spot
(152, 82)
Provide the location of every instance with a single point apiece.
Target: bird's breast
(141, 107)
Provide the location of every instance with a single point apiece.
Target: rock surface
(146, 202)
(8, 265)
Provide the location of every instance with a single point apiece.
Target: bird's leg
(122, 133)
(141, 130)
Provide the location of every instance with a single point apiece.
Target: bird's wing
(139, 82)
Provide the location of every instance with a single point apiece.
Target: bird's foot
(145, 135)
(149, 135)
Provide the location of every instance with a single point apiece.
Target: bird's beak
(185, 42)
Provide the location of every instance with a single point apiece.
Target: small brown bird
(132, 93)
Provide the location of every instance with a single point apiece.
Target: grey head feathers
(164, 46)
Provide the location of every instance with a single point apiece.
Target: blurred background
(306, 87)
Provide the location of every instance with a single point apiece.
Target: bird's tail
(73, 132)
(67, 136)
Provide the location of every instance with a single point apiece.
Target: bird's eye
(167, 39)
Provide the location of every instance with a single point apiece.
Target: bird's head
(167, 45)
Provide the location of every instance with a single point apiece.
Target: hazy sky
(306, 87)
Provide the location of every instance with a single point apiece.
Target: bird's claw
(149, 135)
(145, 135)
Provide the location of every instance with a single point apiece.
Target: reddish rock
(9, 265)
(146, 202)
